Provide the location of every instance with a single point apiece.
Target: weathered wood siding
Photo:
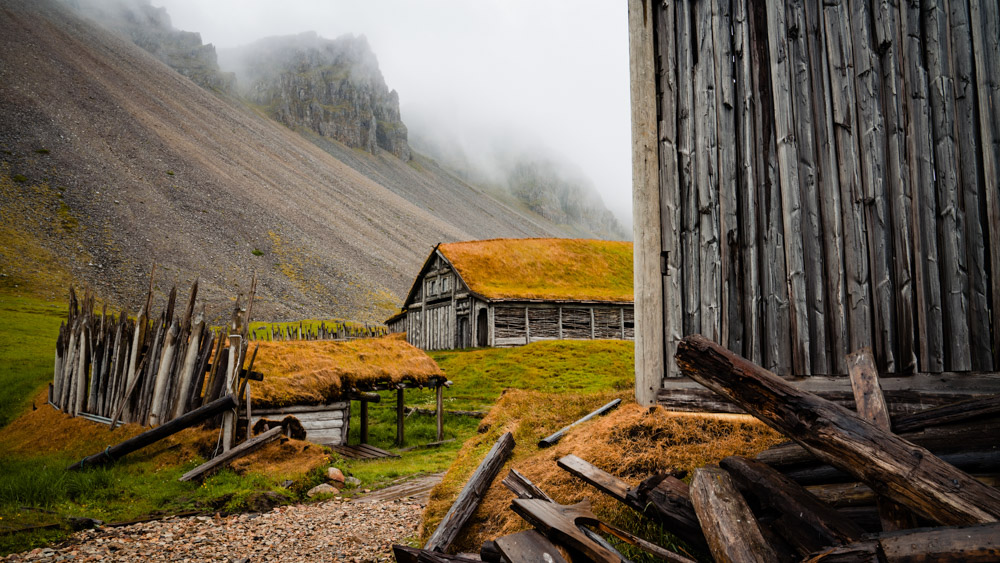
(324, 424)
(830, 175)
(517, 324)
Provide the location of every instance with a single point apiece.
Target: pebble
(327, 531)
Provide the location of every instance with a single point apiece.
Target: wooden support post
(554, 438)
(906, 472)
(471, 495)
(400, 407)
(364, 421)
(872, 408)
(146, 438)
(729, 526)
(439, 392)
(251, 445)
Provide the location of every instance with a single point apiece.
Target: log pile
(149, 369)
(849, 486)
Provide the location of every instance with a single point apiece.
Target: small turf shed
(316, 380)
(508, 292)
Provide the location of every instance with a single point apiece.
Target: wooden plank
(439, 415)
(670, 196)
(843, 101)
(985, 29)
(528, 547)
(400, 418)
(730, 527)
(841, 495)
(553, 439)
(910, 474)
(972, 544)
(160, 384)
(871, 408)
(298, 409)
(247, 447)
(471, 495)
(951, 219)
(686, 157)
(649, 359)
(961, 411)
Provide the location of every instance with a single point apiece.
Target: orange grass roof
(537, 268)
(314, 372)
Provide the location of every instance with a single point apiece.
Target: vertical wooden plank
(776, 332)
(985, 19)
(364, 423)
(439, 392)
(706, 176)
(400, 407)
(920, 159)
(843, 101)
(731, 330)
(981, 357)
(686, 156)
(788, 173)
(649, 359)
(828, 186)
(747, 150)
(730, 528)
(812, 236)
(899, 190)
(871, 140)
(951, 219)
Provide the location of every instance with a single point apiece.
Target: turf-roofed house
(316, 380)
(508, 292)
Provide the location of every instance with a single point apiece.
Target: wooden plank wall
(829, 179)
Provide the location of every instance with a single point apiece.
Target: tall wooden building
(811, 178)
(507, 292)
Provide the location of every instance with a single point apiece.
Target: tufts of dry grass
(283, 459)
(573, 269)
(631, 442)
(319, 371)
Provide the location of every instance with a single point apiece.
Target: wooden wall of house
(515, 324)
(324, 424)
(815, 177)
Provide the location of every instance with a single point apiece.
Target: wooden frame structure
(812, 179)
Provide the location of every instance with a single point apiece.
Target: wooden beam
(974, 544)
(904, 471)
(960, 411)
(471, 495)
(146, 438)
(400, 419)
(650, 364)
(364, 422)
(730, 528)
(247, 447)
(528, 547)
(439, 415)
(553, 439)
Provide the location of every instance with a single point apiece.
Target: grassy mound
(632, 443)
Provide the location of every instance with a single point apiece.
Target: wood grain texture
(730, 527)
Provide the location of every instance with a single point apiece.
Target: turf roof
(313, 372)
(551, 269)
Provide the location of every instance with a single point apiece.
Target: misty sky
(543, 74)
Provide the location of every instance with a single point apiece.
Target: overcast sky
(539, 73)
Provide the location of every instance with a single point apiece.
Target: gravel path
(328, 531)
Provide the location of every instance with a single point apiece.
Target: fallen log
(729, 526)
(898, 469)
(471, 495)
(962, 411)
(250, 446)
(554, 438)
(528, 547)
(973, 544)
(817, 525)
(156, 434)
(840, 495)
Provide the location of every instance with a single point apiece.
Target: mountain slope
(148, 167)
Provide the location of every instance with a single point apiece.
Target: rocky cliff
(332, 87)
(150, 27)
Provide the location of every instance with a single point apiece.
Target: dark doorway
(482, 329)
(463, 338)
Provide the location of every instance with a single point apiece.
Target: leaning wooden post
(146, 438)
(160, 384)
(871, 407)
(729, 525)
(471, 494)
(190, 364)
(896, 468)
(554, 438)
(439, 392)
(229, 417)
(399, 415)
(251, 445)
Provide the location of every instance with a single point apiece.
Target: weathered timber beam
(146, 438)
(899, 469)
(528, 546)
(369, 397)
(961, 411)
(972, 544)
(471, 495)
(729, 526)
(554, 438)
(404, 554)
(841, 495)
(872, 408)
(250, 446)
(817, 524)
(974, 462)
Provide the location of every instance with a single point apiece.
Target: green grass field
(28, 331)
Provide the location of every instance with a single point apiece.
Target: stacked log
(846, 488)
